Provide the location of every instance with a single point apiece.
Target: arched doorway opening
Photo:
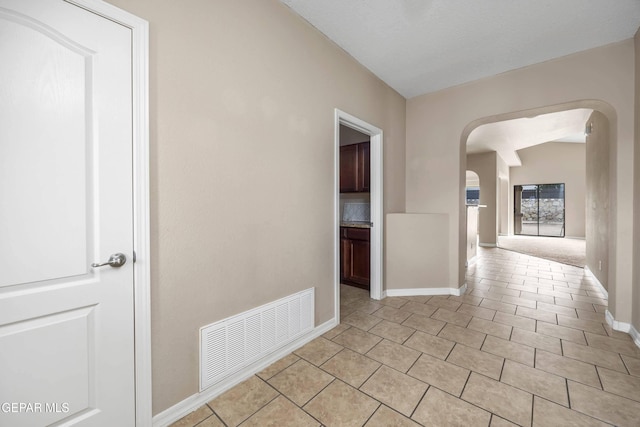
(599, 194)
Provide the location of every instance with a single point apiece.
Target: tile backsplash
(356, 212)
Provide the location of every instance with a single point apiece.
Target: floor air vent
(231, 344)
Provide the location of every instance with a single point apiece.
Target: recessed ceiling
(421, 46)
(508, 136)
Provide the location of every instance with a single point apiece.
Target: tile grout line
(419, 402)
(625, 366)
(271, 400)
(373, 413)
(213, 414)
(370, 375)
(301, 408)
(321, 390)
(566, 380)
(480, 407)
(217, 415)
(533, 407)
(460, 397)
(452, 347)
(504, 362)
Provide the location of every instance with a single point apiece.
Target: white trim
(426, 291)
(487, 245)
(141, 245)
(618, 326)
(376, 202)
(195, 401)
(601, 288)
(215, 356)
(623, 327)
(635, 335)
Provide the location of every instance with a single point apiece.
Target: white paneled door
(66, 328)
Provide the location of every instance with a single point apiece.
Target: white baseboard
(623, 327)
(598, 284)
(426, 291)
(195, 401)
(575, 237)
(487, 245)
(635, 335)
(460, 291)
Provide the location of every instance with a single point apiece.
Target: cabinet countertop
(356, 224)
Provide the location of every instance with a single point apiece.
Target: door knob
(115, 261)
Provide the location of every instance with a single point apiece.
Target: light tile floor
(526, 345)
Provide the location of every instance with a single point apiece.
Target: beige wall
(242, 98)
(503, 196)
(597, 197)
(438, 125)
(412, 262)
(486, 166)
(557, 163)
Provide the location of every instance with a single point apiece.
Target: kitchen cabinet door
(349, 169)
(359, 265)
(355, 257)
(355, 168)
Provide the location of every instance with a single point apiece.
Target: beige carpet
(566, 251)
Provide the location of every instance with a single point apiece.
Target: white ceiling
(508, 136)
(421, 46)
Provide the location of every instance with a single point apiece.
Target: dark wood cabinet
(365, 165)
(355, 250)
(349, 168)
(355, 168)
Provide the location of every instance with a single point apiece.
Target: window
(473, 196)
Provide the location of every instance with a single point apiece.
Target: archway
(601, 229)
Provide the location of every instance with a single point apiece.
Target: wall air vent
(234, 343)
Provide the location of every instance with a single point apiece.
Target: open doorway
(355, 208)
(553, 169)
(358, 206)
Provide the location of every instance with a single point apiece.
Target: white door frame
(141, 272)
(376, 191)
